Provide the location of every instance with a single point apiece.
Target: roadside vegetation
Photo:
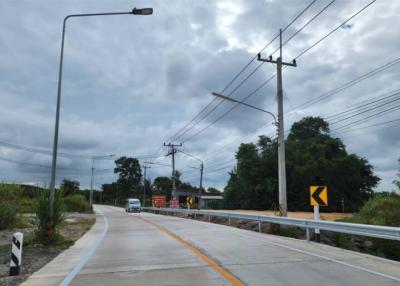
(382, 209)
(25, 208)
(313, 157)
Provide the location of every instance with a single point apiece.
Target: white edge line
(330, 259)
(72, 274)
(310, 253)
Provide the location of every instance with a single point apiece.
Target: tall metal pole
(55, 140)
(201, 184)
(145, 11)
(281, 136)
(91, 185)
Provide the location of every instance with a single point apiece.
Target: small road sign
(174, 203)
(159, 201)
(189, 200)
(319, 195)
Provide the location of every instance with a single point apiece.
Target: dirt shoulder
(35, 256)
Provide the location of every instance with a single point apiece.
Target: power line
(334, 30)
(366, 110)
(298, 56)
(362, 120)
(229, 110)
(40, 165)
(175, 136)
(306, 24)
(369, 126)
(349, 84)
(365, 104)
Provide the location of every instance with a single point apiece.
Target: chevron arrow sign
(319, 195)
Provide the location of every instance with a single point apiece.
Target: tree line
(313, 157)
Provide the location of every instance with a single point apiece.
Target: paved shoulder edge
(61, 267)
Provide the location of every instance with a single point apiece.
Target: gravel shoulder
(35, 256)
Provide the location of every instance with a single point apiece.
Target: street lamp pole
(145, 11)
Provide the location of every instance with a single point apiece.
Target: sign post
(318, 197)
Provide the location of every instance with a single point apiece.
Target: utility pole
(281, 136)
(145, 167)
(201, 184)
(172, 152)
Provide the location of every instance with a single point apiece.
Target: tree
(162, 184)
(312, 157)
(129, 177)
(213, 191)
(109, 193)
(69, 187)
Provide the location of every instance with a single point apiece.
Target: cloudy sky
(131, 83)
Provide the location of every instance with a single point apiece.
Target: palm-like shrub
(46, 226)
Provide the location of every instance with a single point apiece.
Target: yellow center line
(225, 273)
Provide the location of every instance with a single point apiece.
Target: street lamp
(92, 175)
(144, 11)
(282, 193)
(246, 104)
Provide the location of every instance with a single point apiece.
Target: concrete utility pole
(172, 152)
(281, 136)
(145, 167)
(201, 184)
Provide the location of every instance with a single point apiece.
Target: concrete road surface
(147, 249)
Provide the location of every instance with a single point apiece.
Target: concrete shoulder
(56, 270)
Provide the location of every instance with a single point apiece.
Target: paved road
(147, 249)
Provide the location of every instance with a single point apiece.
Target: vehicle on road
(132, 205)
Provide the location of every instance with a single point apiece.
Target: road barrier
(377, 231)
(16, 253)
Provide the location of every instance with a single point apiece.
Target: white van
(132, 205)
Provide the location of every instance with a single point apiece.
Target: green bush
(8, 214)
(26, 205)
(76, 203)
(383, 209)
(46, 227)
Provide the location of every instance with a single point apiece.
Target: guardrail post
(308, 235)
(229, 220)
(195, 216)
(209, 218)
(259, 226)
(16, 253)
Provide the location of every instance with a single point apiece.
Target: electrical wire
(176, 137)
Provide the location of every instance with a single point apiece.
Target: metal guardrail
(385, 232)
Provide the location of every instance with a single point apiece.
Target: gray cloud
(131, 82)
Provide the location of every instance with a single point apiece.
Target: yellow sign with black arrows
(189, 200)
(319, 195)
